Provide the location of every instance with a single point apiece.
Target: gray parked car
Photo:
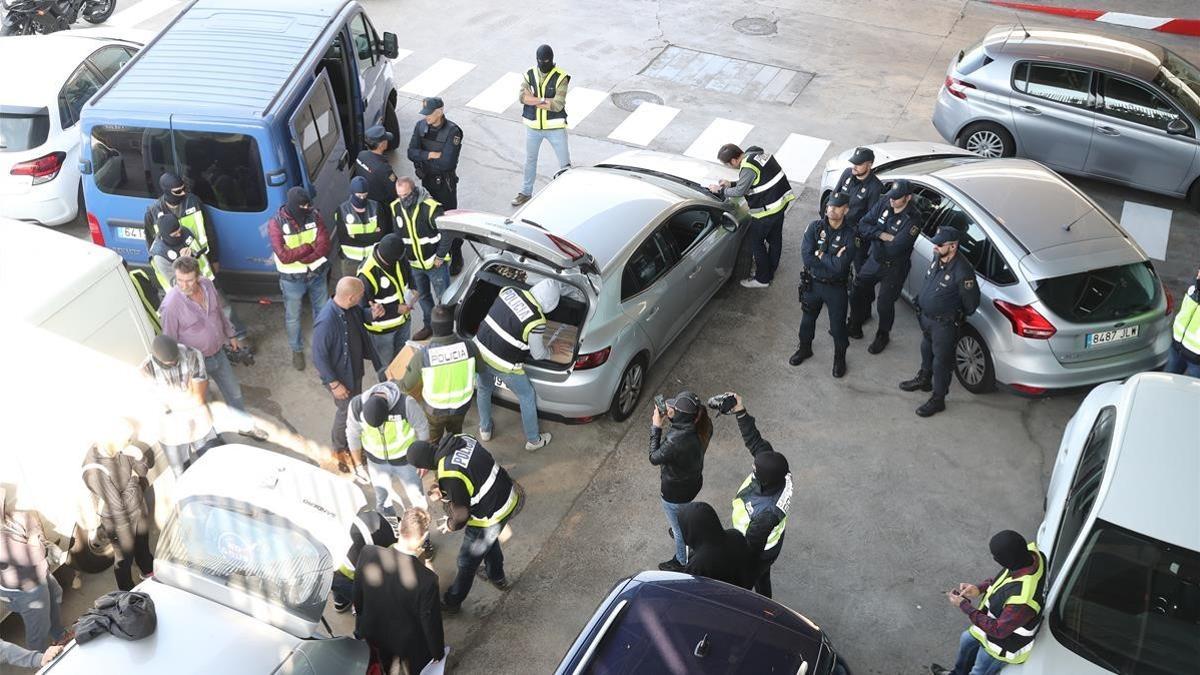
(638, 244)
(1108, 107)
(1069, 298)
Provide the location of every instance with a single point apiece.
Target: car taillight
(94, 229)
(593, 359)
(43, 169)
(1026, 321)
(958, 88)
(1170, 300)
(1028, 389)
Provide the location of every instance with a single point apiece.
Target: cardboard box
(395, 370)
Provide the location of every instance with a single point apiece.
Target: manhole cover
(630, 100)
(753, 25)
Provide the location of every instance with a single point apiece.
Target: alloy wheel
(986, 143)
(631, 388)
(970, 360)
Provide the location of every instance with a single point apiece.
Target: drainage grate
(746, 79)
(630, 100)
(753, 25)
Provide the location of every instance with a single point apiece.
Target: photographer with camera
(761, 504)
(680, 455)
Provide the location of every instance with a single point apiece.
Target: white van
(1122, 532)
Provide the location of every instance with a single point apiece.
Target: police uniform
(863, 194)
(767, 199)
(381, 179)
(887, 265)
(417, 225)
(949, 294)
(447, 367)
(357, 232)
(387, 281)
(548, 83)
(191, 214)
(827, 253)
(438, 176)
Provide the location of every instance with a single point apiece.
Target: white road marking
(720, 132)
(799, 155)
(644, 124)
(1149, 225)
(437, 77)
(402, 54)
(128, 18)
(500, 95)
(1135, 20)
(581, 101)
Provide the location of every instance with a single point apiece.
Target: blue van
(243, 99)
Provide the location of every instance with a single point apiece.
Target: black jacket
(399, 612)
(716, 553)
(764, 521)
(681, 458)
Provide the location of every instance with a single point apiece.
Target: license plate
(1108, 336)
(131, 233)
(500, 384)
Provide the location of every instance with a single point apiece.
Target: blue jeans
(672, 511)
(220, 371)
(439, 279)
(1177, 363)
(480, 544)
(389, 344)
(382, 479)
(973, 659)
(39, 610)
(533, 145)
(295, 287)
(518, 384)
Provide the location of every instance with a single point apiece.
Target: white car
(1122, 534)
(47, 79)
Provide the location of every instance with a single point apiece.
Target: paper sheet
(436, 667)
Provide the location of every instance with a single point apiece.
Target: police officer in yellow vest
(359, 226)
(544, 107)
(383, 423)
(1009, 611)
(416, 213)
(149, 292)
(177, 200)
(369, 528)
(768, 193)
(444, 372)
(174, 241)
(387, 296)
(1184, 357)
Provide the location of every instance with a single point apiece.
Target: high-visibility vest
(447, 378)
(503, 337)
(388, 289)
(545, 87)
(1186, 329)
(295, 238)
(770, 192)
(197, 252)
(360, 231)
(191, 218)
(1024, 590)
(389, 442)
(420, 234)
(749, 501)
(372, 529)
(492, 493)
(149, 295)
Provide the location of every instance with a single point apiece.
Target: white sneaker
(484, 435)
(753, 283)
(542, 441)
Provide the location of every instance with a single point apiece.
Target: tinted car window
(1133, 103)
(1181, 80)
(1101, 295)
(360, 33)
(686, 227)
(1053, 83)
(23, 128)
(927, 201)
(78, 89)
(649, 262)
(127, 161)
(972, 59)
(108, 61)
(316, 123)
(1084, 485)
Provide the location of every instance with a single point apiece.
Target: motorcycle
(33, 17)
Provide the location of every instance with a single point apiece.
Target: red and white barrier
(1155, 23)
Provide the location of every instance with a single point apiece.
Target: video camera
(243, 356)
(723, 404)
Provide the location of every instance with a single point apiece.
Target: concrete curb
(1160, 24)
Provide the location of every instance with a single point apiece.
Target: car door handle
(1108, 131)
(651, 313)
(1030, 110)
(694, 272)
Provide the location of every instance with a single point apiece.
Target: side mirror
(391, 46)
(1177, 127)
(729, 222)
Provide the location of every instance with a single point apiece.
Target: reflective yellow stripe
(496, 362)
(151, 312)
(442, 472)
(194, 222)
(414, 241)
(774, 207)
(448, 386)
(541, 119)
(392, 442)
(307, 235)
(500, 513)
(369, 269)
(1029, 585)
(1186, 328)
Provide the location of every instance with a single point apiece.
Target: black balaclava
(170, 230)
(420, 454)
(700, 525)
(375, 410)
(358, 184)
(441, 321)
(545, 59)
(298, 203)
(770, 468)
(165, 350)
(168, 182)
(1009, 550)
(390, 248)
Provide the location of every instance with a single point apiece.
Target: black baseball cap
(838, 199)
(430, 104)
(377, 134)
(685, 402)
(899, 189)
(946, 234)
(862, 155)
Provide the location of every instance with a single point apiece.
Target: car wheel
(987, 140)
(90, 555)
(629, 390)
(824, 202)
(973, 362)
(98, 11)
(391, 124)
(1193, 195)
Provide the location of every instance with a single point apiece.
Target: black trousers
(832, 297)
(762, 578)
(131, 543)
(338, 434)
(444, 188)
(937, 352)
(890, 279)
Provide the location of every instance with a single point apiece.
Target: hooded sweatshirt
(716, 553)
(680, 456)
(413, 412)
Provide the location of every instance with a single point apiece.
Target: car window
(361, 35)
(108, 60)
(927, 201)
(316, 124)
(1084, 486)
(686, 227)
(1134, 103)
(23, 128)
(77, 90)
(650, 261)
(1053, 83)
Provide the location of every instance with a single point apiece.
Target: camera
(722, 403)
(242, 356)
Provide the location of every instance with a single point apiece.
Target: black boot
(879, 343)
(854, 329)
(839, 363)
(933, 406)
(803, 352)
(921, 382)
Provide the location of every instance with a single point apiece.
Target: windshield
(23, 128)
(1181, 80)
(1131, 604)
(1101, 295)
(250, 550)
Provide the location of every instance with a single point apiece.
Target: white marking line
(500, 95)
(1149, 225)
(720, 132)
(402, 54)
(581, 101)
(437, 77)
(799, 155)
(1135, 20)
(644, 124)
(127, 18)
